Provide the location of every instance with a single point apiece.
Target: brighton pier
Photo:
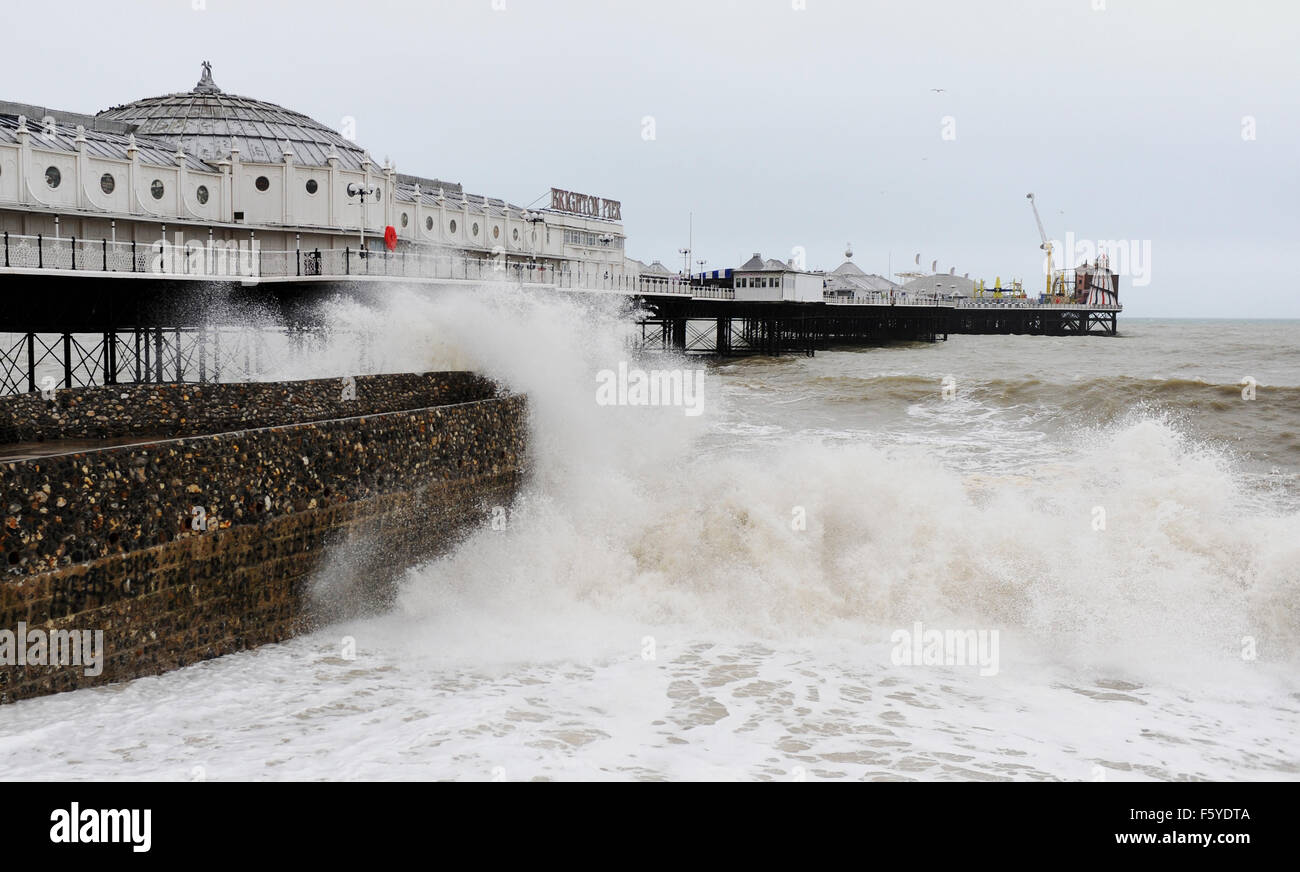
(155, 487)
(120, 230)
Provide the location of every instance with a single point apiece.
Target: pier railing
(246, 262)
(898, 299)
(1027, 303)
(712, 293)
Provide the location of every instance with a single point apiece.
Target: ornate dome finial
(848, 251)
(206, 85)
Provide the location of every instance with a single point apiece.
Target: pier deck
(90, 312)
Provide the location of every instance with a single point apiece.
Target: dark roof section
(429, 184)
(37, 114)
(943, 283)
(458, 198)
(99, 143)
(205, 122)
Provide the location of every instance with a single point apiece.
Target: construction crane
(1047, 245)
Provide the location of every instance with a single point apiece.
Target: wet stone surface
(171, 410)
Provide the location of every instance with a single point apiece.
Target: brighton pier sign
(584, 204)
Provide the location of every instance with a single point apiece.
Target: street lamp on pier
(362, 191)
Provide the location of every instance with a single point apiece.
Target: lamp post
(355, 190)
(533, 219)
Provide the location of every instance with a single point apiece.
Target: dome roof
(206, 121)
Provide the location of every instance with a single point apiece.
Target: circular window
(157, 189)
(515, 234)
(404, 219)
(496, 232)
(107, 183)
(201, 194)
(474, 229)
(452, 225)
(53, 177)
(262, 183)
(311, 186)
(428, 223)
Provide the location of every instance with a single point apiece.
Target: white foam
(525, 648)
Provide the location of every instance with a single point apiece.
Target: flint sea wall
(188, 521)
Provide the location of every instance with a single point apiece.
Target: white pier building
(219, 168)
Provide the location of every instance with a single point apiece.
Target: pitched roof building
(848, 280)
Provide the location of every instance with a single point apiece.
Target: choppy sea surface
(721, 596)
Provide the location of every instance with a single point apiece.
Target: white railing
(903, 299)
(245, 261)
(883, 299)
(1028, 303)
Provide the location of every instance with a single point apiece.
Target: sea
(991, 558)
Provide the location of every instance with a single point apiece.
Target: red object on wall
(390, 237)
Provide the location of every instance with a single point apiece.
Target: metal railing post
(31, 362)
(112, 357)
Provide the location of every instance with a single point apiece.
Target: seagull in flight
(939, 90)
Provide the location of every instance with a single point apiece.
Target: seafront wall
(183, 549)
(168, 410)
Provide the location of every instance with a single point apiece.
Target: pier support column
(679, 334)
(722, 345)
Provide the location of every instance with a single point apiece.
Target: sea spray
(651, 609)
(646, 517)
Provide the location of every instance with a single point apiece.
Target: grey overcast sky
(1166, 124)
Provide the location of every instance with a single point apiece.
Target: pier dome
(205, 121)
